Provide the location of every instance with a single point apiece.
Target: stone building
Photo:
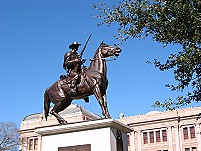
(178, 130)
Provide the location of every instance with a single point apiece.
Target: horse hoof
(107, 117)
(63, 122)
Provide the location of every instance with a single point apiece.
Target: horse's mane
(97, 51)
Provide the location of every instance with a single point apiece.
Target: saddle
(69, 79)
(69, 84)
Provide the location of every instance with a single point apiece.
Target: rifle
(76, 67)
(84, 46)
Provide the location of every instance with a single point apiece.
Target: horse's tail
(46, 103)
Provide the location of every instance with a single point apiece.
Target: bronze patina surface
(80, 83)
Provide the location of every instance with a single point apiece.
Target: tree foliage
(9, 137)
(167, 22)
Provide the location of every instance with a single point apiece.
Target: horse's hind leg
(58, 107)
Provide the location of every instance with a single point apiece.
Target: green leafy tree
(9, 137)
(166, 22)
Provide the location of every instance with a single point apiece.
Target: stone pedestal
(100, 135)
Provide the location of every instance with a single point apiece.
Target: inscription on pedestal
(86, 147)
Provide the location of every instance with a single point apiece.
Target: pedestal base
(100, 135)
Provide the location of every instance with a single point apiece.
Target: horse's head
(108, 51)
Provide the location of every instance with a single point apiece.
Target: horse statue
(93, 80)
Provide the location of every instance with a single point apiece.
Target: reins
(111, 58)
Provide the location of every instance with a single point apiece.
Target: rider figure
(72, 64)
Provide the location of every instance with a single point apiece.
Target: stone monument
(99, 135)
(79, 83)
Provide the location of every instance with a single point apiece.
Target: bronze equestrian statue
(91, 80)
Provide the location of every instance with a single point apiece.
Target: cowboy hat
(74, 44)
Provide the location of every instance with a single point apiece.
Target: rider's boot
(73, 84)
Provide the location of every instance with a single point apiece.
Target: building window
(191, 149)
(192, 132)
(185, 132)
(187, 149)
(36, 144)
(164, 135)
(145, 138)
(189, 132)
(128, 139)
(151, 137)
(155, 136)
(33, 144)
(158, 137)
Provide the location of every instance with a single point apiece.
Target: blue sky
(35, 35)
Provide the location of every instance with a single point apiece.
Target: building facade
(178, 130)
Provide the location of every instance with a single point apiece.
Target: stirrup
(73, 91)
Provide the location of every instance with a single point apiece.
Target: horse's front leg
(99, 97)
(105, 105)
